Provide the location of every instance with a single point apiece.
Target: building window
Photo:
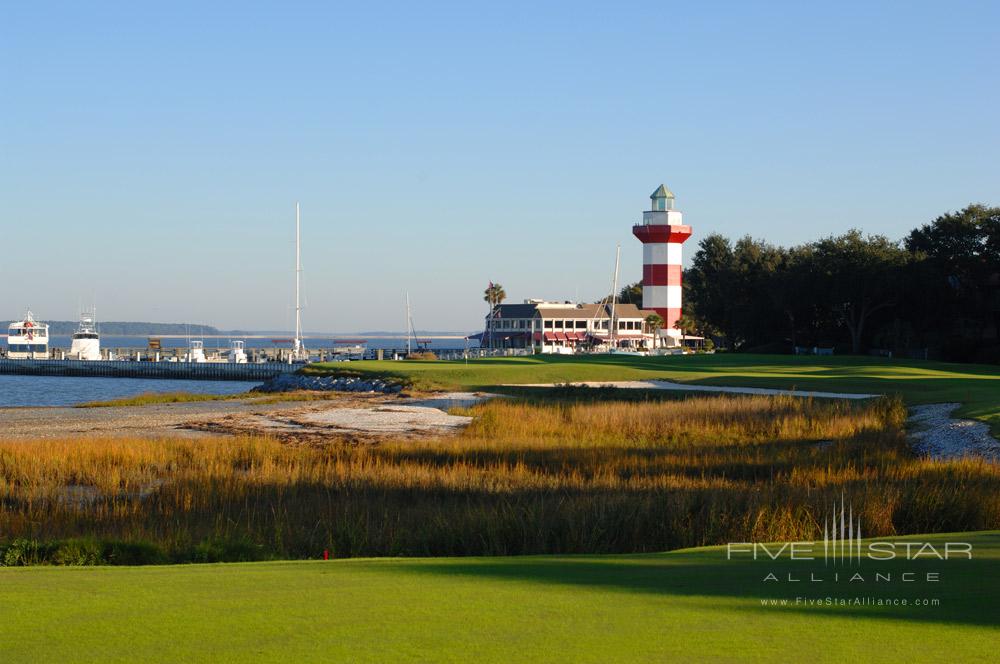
(547, 324)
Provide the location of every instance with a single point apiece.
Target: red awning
(561, 336)
(537, 336)
(550, 336)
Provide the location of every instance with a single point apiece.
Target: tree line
(936, 292)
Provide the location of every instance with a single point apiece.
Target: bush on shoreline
(23, 552)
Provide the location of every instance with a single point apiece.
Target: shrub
(78, 552)
(133, 553)
(773, 348)
(227, 551)
(23, 551)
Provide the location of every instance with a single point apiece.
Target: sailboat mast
(409, 324)
(614, 296)
(298, 273)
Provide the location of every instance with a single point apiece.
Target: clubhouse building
(567, 327)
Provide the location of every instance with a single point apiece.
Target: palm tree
(686, 325)
(654, 322)
(494, 294)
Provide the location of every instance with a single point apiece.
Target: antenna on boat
(614, 297)
(411, 332)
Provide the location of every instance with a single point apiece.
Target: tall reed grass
(522, 478)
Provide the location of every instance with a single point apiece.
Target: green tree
(755, 318)
(654, 322)
(710, 282)
(858, 276)
(687, 325)
(631, 294)
(954, 277)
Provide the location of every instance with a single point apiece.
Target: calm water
(66, 391)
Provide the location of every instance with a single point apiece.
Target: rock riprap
(294, 382)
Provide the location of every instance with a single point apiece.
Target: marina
(27, 350)
(20, 391)
(216, 371)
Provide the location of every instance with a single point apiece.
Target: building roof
(595, 311)
(517, 310)
(662, 192)
(579, 311)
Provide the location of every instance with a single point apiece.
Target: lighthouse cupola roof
(663, 199)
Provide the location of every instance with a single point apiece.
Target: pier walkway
(134, 369)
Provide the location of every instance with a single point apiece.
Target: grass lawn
(977, 387)
(690, 605)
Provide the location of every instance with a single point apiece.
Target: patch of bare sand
(351, 417)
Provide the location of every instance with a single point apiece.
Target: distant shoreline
(304, 336)
(277, 336)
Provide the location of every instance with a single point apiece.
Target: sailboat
(422, 345)
(613, 323)
(299, 352)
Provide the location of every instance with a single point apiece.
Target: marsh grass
(151, 398)
(524, 477)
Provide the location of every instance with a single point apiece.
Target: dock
(263, 365)
(135, 369)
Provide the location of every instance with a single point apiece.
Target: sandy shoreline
(351, 416)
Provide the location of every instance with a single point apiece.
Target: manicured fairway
(689, 605)
(977, 387)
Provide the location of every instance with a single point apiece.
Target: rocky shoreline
(296, 382)
(940, 436)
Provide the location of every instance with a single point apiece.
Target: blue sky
(150, 156)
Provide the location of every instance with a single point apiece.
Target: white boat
(237, 352)
(28, 339)
(197, 352)
(86, 343)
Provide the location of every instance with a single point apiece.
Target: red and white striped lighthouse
(662, 232)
